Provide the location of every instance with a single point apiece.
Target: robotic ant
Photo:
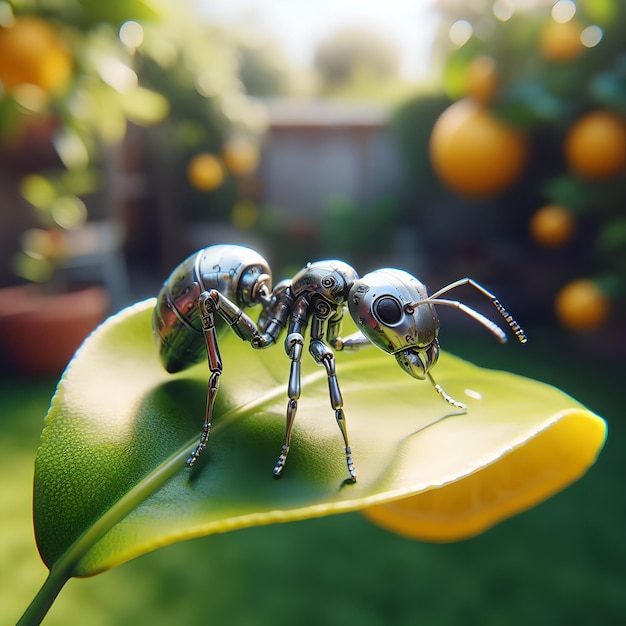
(212, 289)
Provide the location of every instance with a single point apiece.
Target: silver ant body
(391, 308)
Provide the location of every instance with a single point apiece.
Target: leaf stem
(42, 602)
(66, 565)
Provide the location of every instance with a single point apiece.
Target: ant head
(382, 303)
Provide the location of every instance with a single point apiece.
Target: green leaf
(609, 88)
(529, 102)
(110, 476)
(118, 11)
(144, 107)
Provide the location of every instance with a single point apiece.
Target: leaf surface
(111, 482)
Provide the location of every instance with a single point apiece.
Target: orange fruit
(561, 42)
(240, 156)
(581, 305)
(595, 145)
(473, 152)
(205, 172)
(32, 53)
(482, 79)
(552, 226)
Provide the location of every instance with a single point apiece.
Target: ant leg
(352, 342)
(448, 398)
(207, 303)
(293, 344)
(331, 323)
(323, 355)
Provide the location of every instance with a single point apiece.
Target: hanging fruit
(473, 152)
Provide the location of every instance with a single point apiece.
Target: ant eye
(387, 310)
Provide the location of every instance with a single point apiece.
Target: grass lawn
(560, 563)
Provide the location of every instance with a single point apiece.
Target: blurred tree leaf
(348, 50)
(609, 88)
(10, 118)
(595, 198)
(118, 11)
(111, 484)
(613, 235)
(576, 194)
(412, 125)
(263, 67)
(455, 69)
(601, 11)
(527, 103)
(88, 13)
(144, 107)
(611, 244)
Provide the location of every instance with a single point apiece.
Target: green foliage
(544, 97)
(534, 90)
(89, 13)
(110, 482)
(352, 229)
(562, 560)
(411, 125)
(341, 57)
(178, 75)
(263, 67)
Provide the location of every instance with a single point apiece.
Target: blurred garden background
(452, 138)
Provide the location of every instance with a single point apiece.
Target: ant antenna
(481, 319)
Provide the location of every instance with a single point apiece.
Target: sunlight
(460, 32)
(131, 34)
(299, 25)
(563, 11)
(591, 36)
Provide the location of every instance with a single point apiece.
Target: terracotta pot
(39, 333)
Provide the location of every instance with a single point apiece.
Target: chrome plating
(212, 289)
